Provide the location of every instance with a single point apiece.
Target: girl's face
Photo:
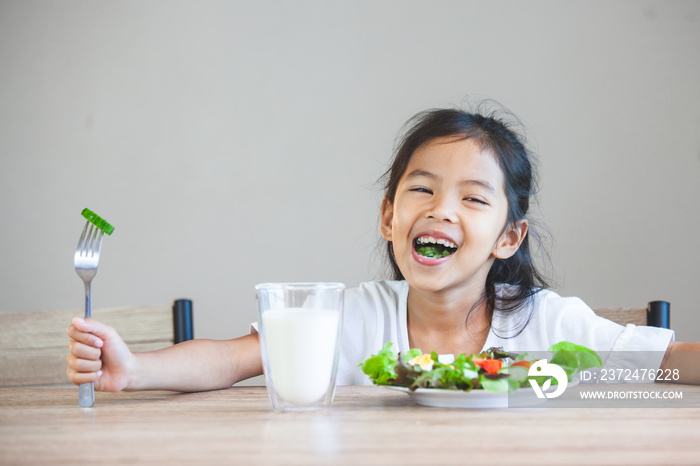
(450, 204)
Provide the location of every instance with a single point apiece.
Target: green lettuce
(494, 370)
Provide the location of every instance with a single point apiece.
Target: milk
(301, 345)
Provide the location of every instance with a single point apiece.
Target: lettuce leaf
(388, 367)
(575, 358)
(380, 367)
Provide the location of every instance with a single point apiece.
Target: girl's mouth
(434, 248)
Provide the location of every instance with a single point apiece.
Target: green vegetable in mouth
(435, 251)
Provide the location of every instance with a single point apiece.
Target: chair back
(656, 314)
(34, 344)
(624, 315)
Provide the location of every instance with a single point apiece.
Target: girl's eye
(474, 199)
(421, 189)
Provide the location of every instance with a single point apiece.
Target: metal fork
(86, 259)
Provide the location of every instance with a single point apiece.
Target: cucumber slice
(98, 221)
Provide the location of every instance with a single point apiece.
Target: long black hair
(500, 138)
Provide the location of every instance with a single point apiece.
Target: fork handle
(86, 391)
(88, 299)
(86, 394)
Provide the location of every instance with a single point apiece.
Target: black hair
(497, 136)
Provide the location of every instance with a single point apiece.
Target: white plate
(523, 397)
(472, 399)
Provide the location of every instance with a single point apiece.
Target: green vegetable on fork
(98, 221)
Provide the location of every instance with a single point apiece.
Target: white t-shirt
(375, 313)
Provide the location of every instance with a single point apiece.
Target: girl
(455, 220)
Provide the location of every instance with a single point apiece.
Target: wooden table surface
(366, 425)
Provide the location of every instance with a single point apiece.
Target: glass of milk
(300, 328)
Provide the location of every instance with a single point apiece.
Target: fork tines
(90, 240)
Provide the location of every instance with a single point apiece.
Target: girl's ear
(387, 218)
(511, 240)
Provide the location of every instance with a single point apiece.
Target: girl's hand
(99, 355)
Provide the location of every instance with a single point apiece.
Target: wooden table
(366, 425)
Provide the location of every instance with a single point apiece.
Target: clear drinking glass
(300, 326)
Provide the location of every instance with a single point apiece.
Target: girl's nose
(442, 210)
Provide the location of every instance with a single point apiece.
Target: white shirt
(375, 313)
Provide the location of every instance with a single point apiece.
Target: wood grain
(34, 344)
(365, 425)
(624, 315)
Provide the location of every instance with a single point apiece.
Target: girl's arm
(99, 355)
(685, 357)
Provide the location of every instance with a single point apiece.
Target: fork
(86, 259)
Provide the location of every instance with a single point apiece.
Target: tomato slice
(525, 364)
(492, 366)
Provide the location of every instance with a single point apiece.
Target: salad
(494, 370)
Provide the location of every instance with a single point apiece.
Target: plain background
(233, 143)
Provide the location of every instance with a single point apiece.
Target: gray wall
(232, 143)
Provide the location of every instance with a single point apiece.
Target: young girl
(455, 219)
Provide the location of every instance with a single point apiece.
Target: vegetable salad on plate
(494, 370)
